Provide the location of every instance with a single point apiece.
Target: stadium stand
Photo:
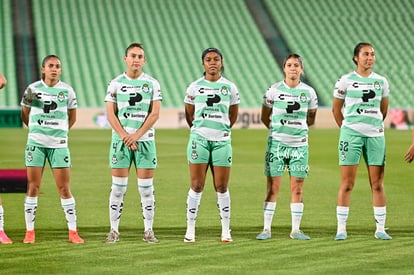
(90, 37)
(325, 32)
(9, 95)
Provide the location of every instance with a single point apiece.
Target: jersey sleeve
(111, 92)
(340, 89)
(313, 103)
(156, 88)
(235, 97)
(26, 99)
(189, 95)
(267, 99)
(72, 100)
(386, 89)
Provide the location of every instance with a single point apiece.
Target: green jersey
(48, 119)
(212, 101)
(290, 107)
(362, 106)
(133, 98)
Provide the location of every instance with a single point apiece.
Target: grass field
(91, 180)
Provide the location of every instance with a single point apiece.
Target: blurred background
(90, 37)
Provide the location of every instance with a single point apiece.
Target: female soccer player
(3, 237)
(49, 110)
(289, 108)
(211, 109)
(363, 95)
(133, 103)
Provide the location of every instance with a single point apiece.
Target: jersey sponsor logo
(211, 99)
(129, 115)
(286, 122)
(269, 101)
(49, 106)
(284, 97)
(341, 92)
(367, 95)
(292, 106)
(134, 98)
(362, 111)
(202, 90)
(145, 88)
(47, 123)
(216, 116)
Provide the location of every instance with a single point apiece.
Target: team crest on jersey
(303, 97)
(194, 154)
(145, 88)
(377, 86)
(224, 90)
(114, 159)
(61, 96)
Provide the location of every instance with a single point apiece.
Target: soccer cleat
(4, 239)
(29, 237)
(149, 237)
(382, 236)
(264, 235)
(74, 237)
(190, 235)
(299, 235)
(112, 237)
(189, 240)
(226, 237)
(341, 236)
